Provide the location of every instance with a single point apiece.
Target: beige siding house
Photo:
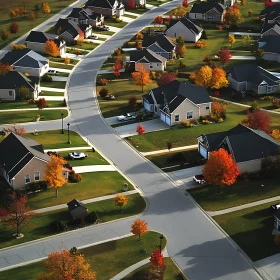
(177, 101)
(86, 16)
(108, 8)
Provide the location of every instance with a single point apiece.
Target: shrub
(31, 16)
(58, 226)
(276, 103)
(277, 240)
(47, 78)
(117, 52)
(14, 27)
(132, 102)
(117, 20)
(103, 82)
(76, 222)
(185, 124)
(74, 178)
(220, 120)
(270, 167)
(153, 75)
(16, 47)
(199, 44)
(104, 92)
(31, 101)
(206, 122)
(219, 27)
(195, 121)
(37, 186)
(204, 35)
(91, 217)
(218, 110)
(181, 65)
(254, 107)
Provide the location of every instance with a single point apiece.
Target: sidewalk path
(74, 56)
(127, 19)
(54, 98)
(132, 14)
(246, 33)
(58, 78)
(244, 206)
(93, 168)
(190, 147)
(243, 57)
(150, 7)
(133, 267)
(67, 149)
(101, 35)
(53, 89)
(109, 71)
(91, 200)
(113, 28)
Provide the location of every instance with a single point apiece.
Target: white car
(52, 72)
(94, 37)
(199, 179)
(127, 117)
(77, 155)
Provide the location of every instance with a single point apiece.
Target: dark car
(53, 153)
(274, 207)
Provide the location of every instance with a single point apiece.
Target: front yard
(112, 22)
(25, 104)
(251, 229)
(53, 84)
(242, 192)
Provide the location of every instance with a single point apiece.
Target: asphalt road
(198, 247)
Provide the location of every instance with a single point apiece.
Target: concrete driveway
(270, 267)
(130, 129)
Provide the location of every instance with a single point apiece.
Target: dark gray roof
(204, 7)
(16, 151)
(161, 40)
(39, 37)
(188, 23)
(244, 143)
(83, 13)
(146, 54)
(13, 80)
(272, 44)
(277, 214)
(108, 4)
(70, 27)
(267, 26)
(253, 73)
(176, 92)
(24, 58)
(271, 10)
(75, 203)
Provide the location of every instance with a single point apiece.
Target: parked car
(94, 37)
(77, 155)
(127, 117)
(52, 72)
(104, 27)
(274, 207)
(199, 179)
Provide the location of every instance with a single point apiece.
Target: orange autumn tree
(120, 200)
(51, 48)
(5, 68)
(67, 60)
(141, 77)
(15, 128)
(139, 227)
(45, 8)
(18, 213)
(275, 133)
(81, 37)
(54, 173)
(220, 169)
(67, 265)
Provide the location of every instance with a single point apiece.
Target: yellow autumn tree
(54, 173)
(139, 227)
(231, 39)
(45, 8)
(210, 78)
(275, 133)
(67, 60)
(141, 77)
(51, 48)
(120, 200)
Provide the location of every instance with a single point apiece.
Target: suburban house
(247, 154)
(208, 11)
(12, 83)
(161, 45)
(184, 27)
(70, 31)
(36, 41)
(108, 8)
(27, 61)
(77, 209)
(178, 101)
(86, 16)
(148, 59)
(271, 14)
(136, 2)
(23, 161)
(270, 46)
(250, 77)
(270, 29)
(226, 3)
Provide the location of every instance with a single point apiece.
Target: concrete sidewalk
(94, 168)
(133, 267)
(132, 14)
(127, 19)
(109, 71)
(60, 79)
(53, 89)
(244, 206)
(190, 147)
(62, 206)
(54, 98)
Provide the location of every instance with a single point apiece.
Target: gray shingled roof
(204, 7)
(267, 26)
(274, 9)
(163, 41)
(107, 4)
(272, 44)
(40, 37)
(188, 23)
(83, 13)
(13, 80)
(146, 54)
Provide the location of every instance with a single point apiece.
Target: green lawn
(87, 46)
(30, 116)
(122, 90)
(139, 11)
(93, 184)
(107, 66)
(240, 193)
(74, 50)
(251, 229)
(53, 139)
(93, 158)
(172, 272)
(156, 2)
(54, 84)
(130, 16)
(61, 60)
(111, 22)
(106, 209)
(52, 93)
(104, 32)
(25, 104)
(62, 66)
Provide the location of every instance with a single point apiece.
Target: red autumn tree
(235, 7)
(5, 68)
(157, 259)
(139, 227)
(51, 48)
(15, 128)
(116, 68)
(257, 120)
(140, 129)
(18, 213)
(185, 3)
(41, 104)
(131, 4)
(165, 78)
(14, 27)
(268, 3)
(224, 56)
(3, 213)
(158, 20)
(220, 169)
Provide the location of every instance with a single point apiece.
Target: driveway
(270, 267)
(130, 129)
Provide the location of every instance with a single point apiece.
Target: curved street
(197, 246)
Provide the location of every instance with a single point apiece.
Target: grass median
(106, 209)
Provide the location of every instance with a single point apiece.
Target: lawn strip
(61, 66)
(24, 104)
(54, 84)
(51, 93)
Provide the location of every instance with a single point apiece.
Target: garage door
(203, 151)
(168, 120)
(162, 117)
(165, 118)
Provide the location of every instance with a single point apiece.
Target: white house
(108, 8)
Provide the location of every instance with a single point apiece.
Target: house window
(151, 66)
(189, 115)
(207, 106)
(210, 18)
(194, 15)
(269, 89)
(37, 176)
(27, 178)
(177, 118)
(10, 93)
(155, 108)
